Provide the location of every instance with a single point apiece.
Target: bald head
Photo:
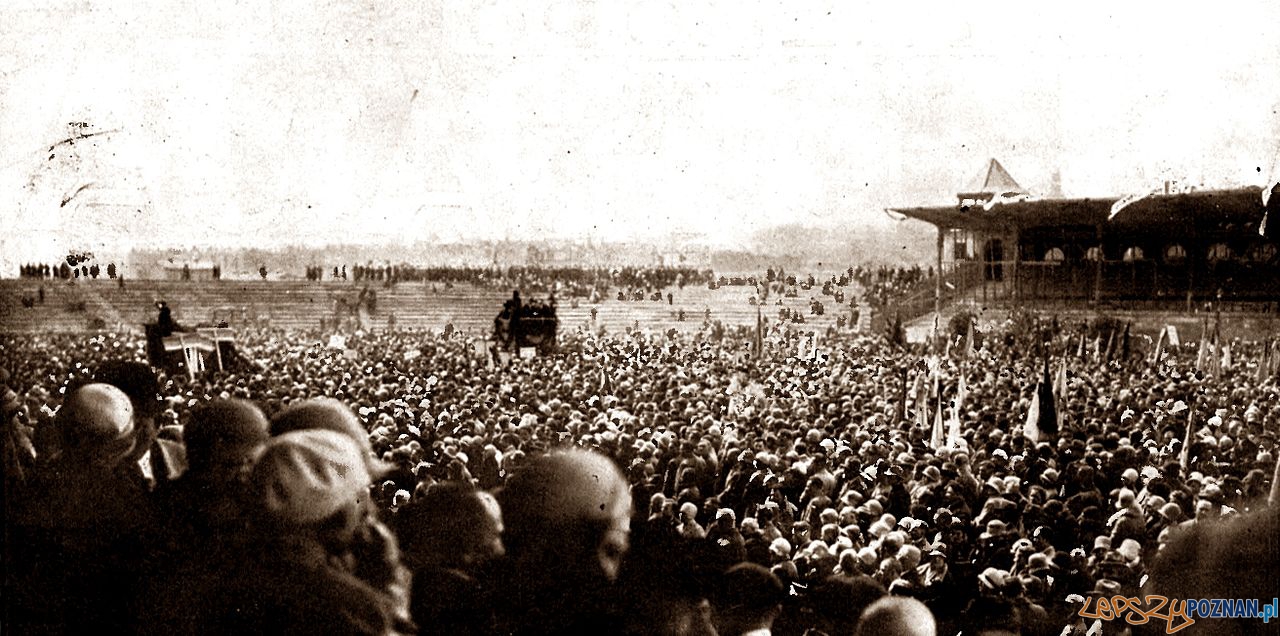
(96, 425)
(897, 616)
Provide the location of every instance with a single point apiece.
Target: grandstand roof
(1241, 207)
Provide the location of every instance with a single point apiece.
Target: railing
(1143, 285)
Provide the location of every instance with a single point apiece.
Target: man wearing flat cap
(305, 496)
(374, 548)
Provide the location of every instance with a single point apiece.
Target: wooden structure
(1163, 250)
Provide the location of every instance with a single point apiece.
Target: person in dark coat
(81, 523)
(725, 544)
(449, 536)
(296, 575)
(568, 525)
(203, 510)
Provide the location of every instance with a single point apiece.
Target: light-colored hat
(306, 476)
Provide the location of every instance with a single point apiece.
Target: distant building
(1170, 248)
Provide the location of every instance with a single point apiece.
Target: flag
(1159, 351)
(920, 396)
(1097, 347)
(1184, 458)
(1002, 198)
(896, 335)
(606, 387)
(1060, 382)
(953, 429)
(1265, 364)
(1270, 202)
(1031, 430)
(1125, 202)
(1124, 342)
(1215, 353)
(969, 340)
(1080, 349)
(962, 393)
(1042, 417)
(1204, 344)
(1111, 337)
(1226, 356)
(935, 438)
(1274, 499)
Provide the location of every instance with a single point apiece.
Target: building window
(1094, 253)
(1220, 252)
(1054, 255)
(1133, 254)
(1175, 253)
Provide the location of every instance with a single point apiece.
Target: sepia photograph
(637, 318)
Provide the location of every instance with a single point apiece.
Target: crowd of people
(887, 285)
(66, 271)
(705, 483)
(568, 281)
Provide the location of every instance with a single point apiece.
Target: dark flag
(1270, 203)
(1042, 417)
(896, 334)
(1124, 343)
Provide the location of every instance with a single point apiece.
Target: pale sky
(269, 123)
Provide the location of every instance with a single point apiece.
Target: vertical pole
(1017, 258)
(1191, 263)
(217, 347)
(937, 281)
(1097, 267)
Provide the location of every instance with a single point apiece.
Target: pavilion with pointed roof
(1166, 248)
(994, 181)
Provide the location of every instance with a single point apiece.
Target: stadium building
(1165, 250)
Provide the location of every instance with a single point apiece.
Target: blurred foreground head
(568, 516)
(310, 480)
(330, 415)
(1230, 557)
(897, 616)
(224, 437)
(453, 526)
(96, 426)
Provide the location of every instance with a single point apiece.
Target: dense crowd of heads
(566, 280)
(633, 483)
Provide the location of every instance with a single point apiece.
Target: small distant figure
(262, 271)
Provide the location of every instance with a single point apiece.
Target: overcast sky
(265, 123)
